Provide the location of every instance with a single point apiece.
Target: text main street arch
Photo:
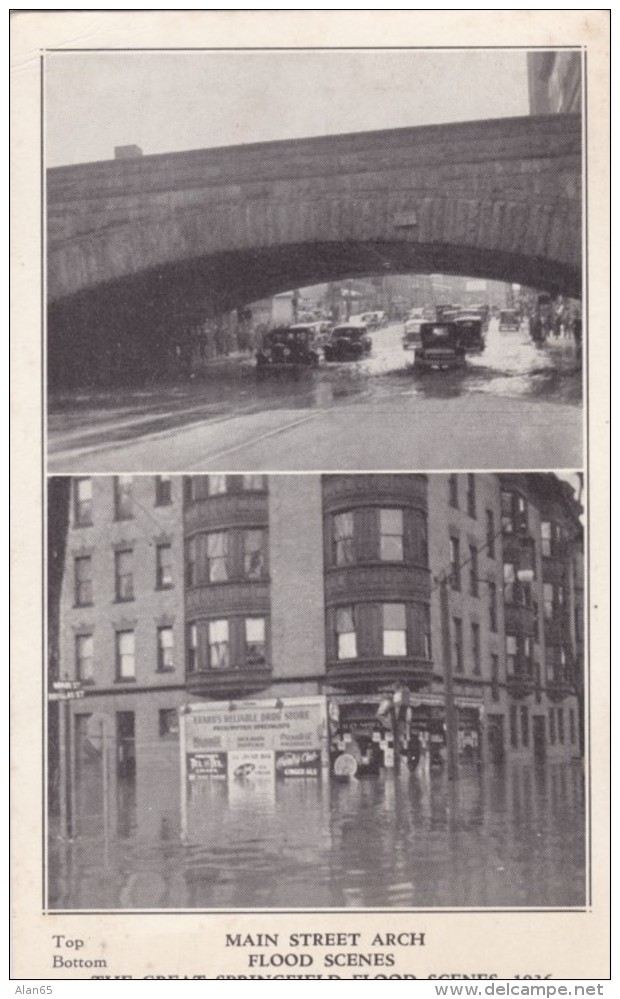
(497, 199)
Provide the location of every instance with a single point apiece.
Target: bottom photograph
(298, 692)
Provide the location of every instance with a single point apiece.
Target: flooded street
(227, 411)
(510, 837)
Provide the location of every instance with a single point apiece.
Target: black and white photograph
(310, 540)
(343, 691)
(314, 260)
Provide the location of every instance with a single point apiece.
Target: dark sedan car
(441, 348)
(472, 336)
(288, 348)
(347, 343)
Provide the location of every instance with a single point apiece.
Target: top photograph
(314, 260)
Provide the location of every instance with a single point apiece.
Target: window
(254, 554)
(492, 595)
(514, 512)
(217, 557)
(255, 647)
(510, 583)
(428, 636)
(473, 571)
(514, 728)
(507, 513)
(391, 531)
(83, 574)
(125, 655)
(511, 654)
(216, 485)
(552, 735)
(455, 563)
(458, 644)
(164, 576)
(344, 541)
(525, 726)
(561, 732)
(572, 726)
(163, 490)
(123, 562)
(548, 601)
(168, 723)
(165, 649)
(84, 666)
(123, 497)
(471, 494)
(346, 635)
(83, 502)
(191, 647)
(475, 648)
(546, 535)
(536, 615)
(253, 483)
(491, 534)
(191, 563)
(560, 597)
(219, 646)
(453, 491)
(495, 678)
(394, 630)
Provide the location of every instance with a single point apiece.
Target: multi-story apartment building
(235, 587)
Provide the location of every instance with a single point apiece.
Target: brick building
(228, 587)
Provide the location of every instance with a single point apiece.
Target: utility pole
(451, 715)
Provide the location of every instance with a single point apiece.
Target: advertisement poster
(310, 406)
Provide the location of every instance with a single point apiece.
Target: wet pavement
(497, 837)
(525, 392)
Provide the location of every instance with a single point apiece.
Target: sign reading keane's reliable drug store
(254, 740)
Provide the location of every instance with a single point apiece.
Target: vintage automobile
(371, 320)
(413, 325)
(471, 334)
(347, 343)
(288, 347)
(509, 320)
(441, 348)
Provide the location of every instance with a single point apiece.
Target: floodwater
(512, 837)
(512, 365)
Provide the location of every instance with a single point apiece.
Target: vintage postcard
(311, 355)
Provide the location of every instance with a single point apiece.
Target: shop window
(168, 723)
(123, 497)
(255, 641)
(163, 490)
(125, 655)
(471, 494)
(83, 574)
(84, 659)
(217, 557)
(343, 539)
(455, 563)
(453, 491)
(346, 634)
(191, 647)
(191, 562)
(514, 727)
(492, 597)
(475, 648)
(458, 644)
(525, 726)
(391, 535)
(216, 485)
(165, 649)
(123, 563)
(254, 554)
(491, 534)
(165, 579)
(219, 644)
(474, 582)
(83, 502)
(394, 630)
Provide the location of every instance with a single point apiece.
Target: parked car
(288, 347)
(441, 348)
(413, 325)
(509, 320)
(471, 334)
(319, 329)
(371, 320)
(347, 343)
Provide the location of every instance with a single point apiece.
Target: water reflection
(503, 838)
